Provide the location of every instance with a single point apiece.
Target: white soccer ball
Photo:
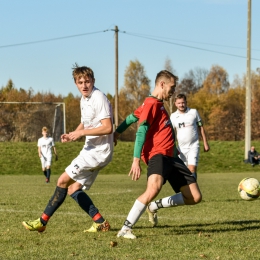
(249, 189)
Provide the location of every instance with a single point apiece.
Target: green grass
(222, 226)
(22, 158)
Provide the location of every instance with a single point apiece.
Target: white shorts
(85, 168)
(45, 161)
(190, 156)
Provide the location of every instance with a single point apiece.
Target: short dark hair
(180, 96)
(83, 71)
(165, 74)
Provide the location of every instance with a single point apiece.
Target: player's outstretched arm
(135, 171)
(39, 152)
(130, 119)
(204, 138)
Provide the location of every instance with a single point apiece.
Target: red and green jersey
(160, 135)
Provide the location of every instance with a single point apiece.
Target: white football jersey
(186, 125)
(93, 109)
(46, 144)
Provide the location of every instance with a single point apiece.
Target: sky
(41, 40)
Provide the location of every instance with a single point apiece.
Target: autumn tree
(72, 104)
(226, 120)
(204, 102)
(136, 88)
(217, 80)
(23, 121)
(255, 120)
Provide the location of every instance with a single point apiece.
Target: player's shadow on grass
(238, 200)
(225, 226)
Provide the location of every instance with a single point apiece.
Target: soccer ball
(249, 189)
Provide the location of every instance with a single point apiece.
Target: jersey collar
(89, 97)
(155, 97)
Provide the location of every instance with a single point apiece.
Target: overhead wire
(51, 39)
(204, 43)
(144, 36)
(187, 46)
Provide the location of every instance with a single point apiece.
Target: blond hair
(83, 71)
(45, 129)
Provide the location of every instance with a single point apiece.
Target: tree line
(221, 104)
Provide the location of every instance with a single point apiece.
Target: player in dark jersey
(155, 145)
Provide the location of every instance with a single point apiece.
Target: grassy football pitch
(222, 226)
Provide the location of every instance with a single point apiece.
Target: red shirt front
(160, 135)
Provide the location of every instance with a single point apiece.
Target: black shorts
(172, 170)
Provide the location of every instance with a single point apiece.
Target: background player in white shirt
(45, 146)
(96, 125)
(188, 125)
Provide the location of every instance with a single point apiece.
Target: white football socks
(134, 214)
(172, 201)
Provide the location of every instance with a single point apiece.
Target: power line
(144, 36)
(188, 46)
(162, 37)
(52, 39)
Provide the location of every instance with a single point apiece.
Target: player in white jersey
(96, 125)
(45, 146)
(187, 123)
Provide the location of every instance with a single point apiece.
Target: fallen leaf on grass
(74, 254)
(203, 256)
(113, 244)
(205, 235)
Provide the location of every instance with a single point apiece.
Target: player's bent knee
(149, 195)
(198, 199)
(192, 199)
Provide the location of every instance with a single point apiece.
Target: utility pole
(116, 77)
(248, 84)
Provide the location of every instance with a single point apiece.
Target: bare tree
(192, 81)
(168, 66)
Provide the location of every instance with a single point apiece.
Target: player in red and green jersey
(155, 145)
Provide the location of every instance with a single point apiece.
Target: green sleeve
(128, 121)
(140, 139)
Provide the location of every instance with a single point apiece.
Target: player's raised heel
(96, 227)
(126, 233)
(34, 225)
(152, 217)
